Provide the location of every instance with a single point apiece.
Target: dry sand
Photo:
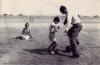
(31, 52)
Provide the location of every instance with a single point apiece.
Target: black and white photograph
(49, 32)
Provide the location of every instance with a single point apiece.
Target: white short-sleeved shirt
(72, 19)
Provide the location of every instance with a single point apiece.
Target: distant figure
(73, 27)
(25, 34)
(52, 30)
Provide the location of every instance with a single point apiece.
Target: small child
(52, 30)
(25, 34)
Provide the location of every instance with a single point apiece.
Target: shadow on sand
(45, 52)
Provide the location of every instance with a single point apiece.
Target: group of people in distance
(73, 27)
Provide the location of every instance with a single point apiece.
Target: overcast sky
(49, 7)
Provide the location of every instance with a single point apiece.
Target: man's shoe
(68, 49)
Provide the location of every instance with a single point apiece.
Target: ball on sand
(68, 49)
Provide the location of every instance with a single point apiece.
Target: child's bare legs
(52, 47)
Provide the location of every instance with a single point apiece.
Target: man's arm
(68, 24)
(65, 22)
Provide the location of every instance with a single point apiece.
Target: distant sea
(42, 19)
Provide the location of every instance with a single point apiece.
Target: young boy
(52, 30)
(25, 34)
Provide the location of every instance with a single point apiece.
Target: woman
(25, 34)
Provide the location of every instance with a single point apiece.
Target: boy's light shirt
(52, 24)
(55, 25)
(72, 19)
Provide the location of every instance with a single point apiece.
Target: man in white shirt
(73, 27)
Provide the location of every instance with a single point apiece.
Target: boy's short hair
(56, 19)
(26, 24)
(62, 9)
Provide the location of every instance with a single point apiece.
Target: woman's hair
(56, 19)
(62, 9)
